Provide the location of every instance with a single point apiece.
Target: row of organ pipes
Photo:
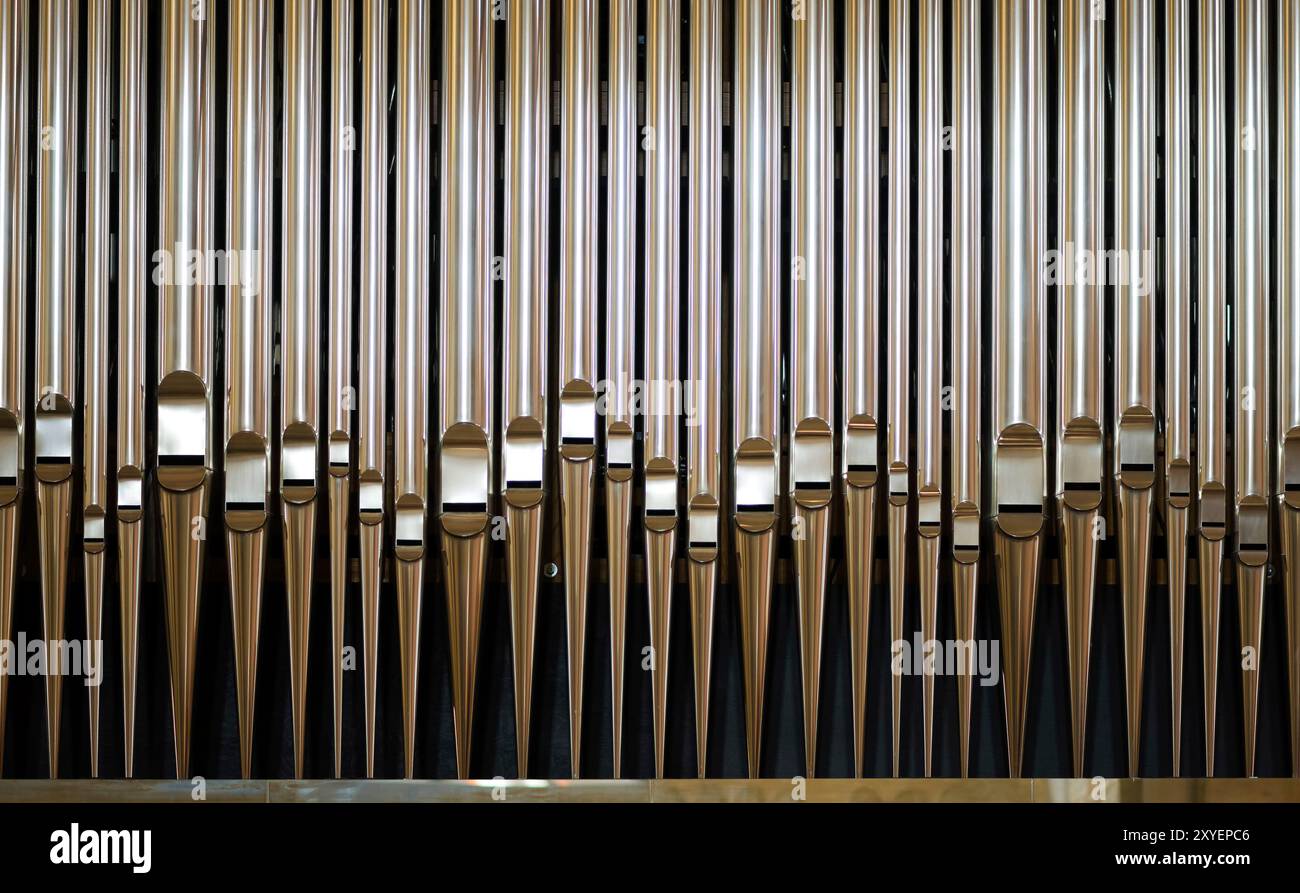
(403, 519)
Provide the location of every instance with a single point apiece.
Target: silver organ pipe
(1288, 345)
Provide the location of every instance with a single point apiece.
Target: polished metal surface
(1287, 479)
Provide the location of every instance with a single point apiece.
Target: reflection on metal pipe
(704, 362)
(248, 342)
(340, 399)
(1019, 336)
(929, 337)
(898, 278)
(372, 369)
(56, 326)
(661, 326)
(967, 236)
(465, 272)
(620, 345)
(523, 421)
(300, 339)
(756, 391)
(97, 266)
(132, 291)
(861, 450)
(1212, 335)
(1250, 329)
(411, 344)
(1288, 347)
(14, 105)
(1178, 341)
(1135, 323)
(1080, 347)
(185, 343)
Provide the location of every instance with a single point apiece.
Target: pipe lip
(1213, 524)
(1252, 531)
(1178, 484)
(1290, 471)
(298, 464)
(339, 454)
(861, 461)
(11, 457)
(703, 522)
(1135, 448)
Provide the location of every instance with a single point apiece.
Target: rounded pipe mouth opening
(1135, 448)
(339, 454)
(929, 512)
(703, 528)
(183, 426)
(523, 462)
(966, 533)
(1178, 483)
(1252, 531)
(1291, 468)
(298, 463)
(10, 457)
(408, 527)
(247, 481)
(130, 494)
(465, 469)
(93, 527)
(53, 429)
(1019, 475)
(619, 442)
(660, 494)
(1082, 451)
(370, 497)
(812, 461)
(1213, 506)
(861, 452)
(755, 485)
(578, 422)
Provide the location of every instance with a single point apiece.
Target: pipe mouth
(661, 494)
(702, 528)
(966, 532)
(408, 528)
(247, 481)
(578, 423)
(1178, 483)
(1019, 477)
(1135, 448)
(92, 534)
(1214, 511)
(130, 494)
(861, 452)
(756, 484)
(298, 463)
(1252, 531)
(10, 455)
(340, 454)
(465, 467)
(900, 483)
(929, 508)
(812, 463)
(370, 497)
(523, 462)
(182, 431)
(618, 452)
(53, 439)
(1290, 468)
(1082, 451)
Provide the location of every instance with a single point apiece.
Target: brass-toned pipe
(861, 448)
(1178, 341)
(14, 105)
(898, 279)
(56, 326)
(1250, 330)
(249, 327)
(372, 367)
(620, 336)
(705, 358)
(1080, 474)
(185, 345)
(1019, 339)
(467, 480)
(524, 323)
(300, 339)
(1212, 340)
(1288, 345)
(929, 337)
(340, 396)
(756, 390)
(967, 437)
(99, 34)
(661, 324)
(132, 293)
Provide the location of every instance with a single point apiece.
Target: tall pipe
(97, 265)
(1251, 332)
(185, 347)
(1080, 343)
(620, 343)
(661, 324)
(860, 412)
(465, 428)
(523, 420)
(56, 325)
(1019, 338)
(372, 366)
(705, 358)
(1212, 335)
(756, 390)
(300, 339)
(248, 357)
